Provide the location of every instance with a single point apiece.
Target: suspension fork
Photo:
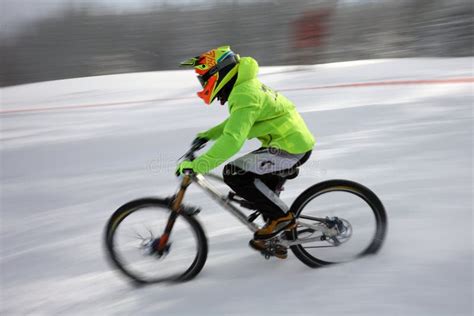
(175, 210)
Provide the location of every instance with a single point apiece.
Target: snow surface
(64, 172)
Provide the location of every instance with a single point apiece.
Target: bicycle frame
(223, 199)
(226, 203)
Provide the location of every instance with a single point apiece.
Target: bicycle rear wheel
(354, 214)
(133, 232)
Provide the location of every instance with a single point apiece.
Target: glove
(185, 165)
(199, 142)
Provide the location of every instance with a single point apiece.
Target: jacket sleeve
(244, 112)
(213, 133)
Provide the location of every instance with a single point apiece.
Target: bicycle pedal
(280, 254)
(268, 251)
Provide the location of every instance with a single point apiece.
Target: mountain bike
(152, 240)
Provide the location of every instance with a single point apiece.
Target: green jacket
(256, 111)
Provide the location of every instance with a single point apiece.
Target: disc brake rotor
(344, 231)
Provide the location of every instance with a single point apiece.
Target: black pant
(243, 183)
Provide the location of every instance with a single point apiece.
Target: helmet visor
(191, 62)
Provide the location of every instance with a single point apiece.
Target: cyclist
(256, 111)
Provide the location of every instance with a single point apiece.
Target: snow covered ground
(65, 170)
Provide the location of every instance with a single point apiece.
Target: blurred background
(54, 39)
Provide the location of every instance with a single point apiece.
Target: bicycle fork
(175, 210)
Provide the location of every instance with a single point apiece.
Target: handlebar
(195, 146)
(189, 155)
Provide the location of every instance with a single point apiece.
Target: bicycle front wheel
(133, 232)
(339, 220)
